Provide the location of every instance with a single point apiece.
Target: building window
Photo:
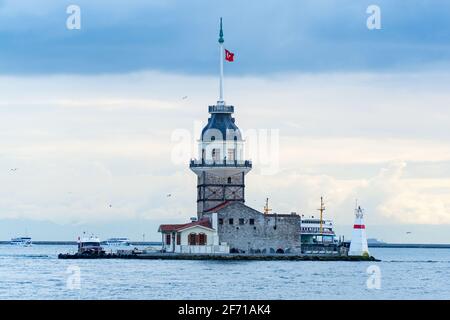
(229, 180)
(220, 221)
(252, 221)
(178, 239)
(168, 239)
(241, 221)
(231, 154)
(213, 138)
(202, 239)
(192, 239)
(230, 221)
(216, 154)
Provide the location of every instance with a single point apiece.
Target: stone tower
(220, 167)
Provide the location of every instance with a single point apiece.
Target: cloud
(180, 37)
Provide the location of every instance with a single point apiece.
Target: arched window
(213, 138)
(202, 239)
(192, 239)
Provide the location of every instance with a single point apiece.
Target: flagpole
(221, 41)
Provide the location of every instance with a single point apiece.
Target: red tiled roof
(177, 227)
(219, 206)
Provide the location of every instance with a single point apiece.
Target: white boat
(21, 241)
(90, 245)
(317, 230)
(118, 242)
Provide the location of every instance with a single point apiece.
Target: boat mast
(322, 209)
(266, 207)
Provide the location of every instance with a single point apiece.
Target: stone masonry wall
(268, 233)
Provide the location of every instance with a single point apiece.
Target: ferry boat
(22, 241)
(317, 230)
(118, 242)
(90, 245)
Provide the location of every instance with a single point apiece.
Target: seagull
(408, 232)
(185, 97)
(14, 169)
(169, 195)
(110, 205)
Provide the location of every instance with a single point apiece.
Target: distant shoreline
(409, 245)
(157, 243)
(74, 243)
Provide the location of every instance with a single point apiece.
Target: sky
(101, 122)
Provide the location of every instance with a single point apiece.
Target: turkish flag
(229, 56)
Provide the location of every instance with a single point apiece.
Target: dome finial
(221, 32)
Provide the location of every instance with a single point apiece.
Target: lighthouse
(220, 166)
(358, 244)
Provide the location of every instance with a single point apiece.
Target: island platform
(221, 257)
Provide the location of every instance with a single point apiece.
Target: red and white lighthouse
(358, 245)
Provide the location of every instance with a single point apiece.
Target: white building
(195, 237)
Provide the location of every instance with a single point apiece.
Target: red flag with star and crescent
(229, 56)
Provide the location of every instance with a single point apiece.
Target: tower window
(229, 180)
(213, 138)
(231, 154)
(230, 221)
(252, 221)
(241, 221)
(216, 154)
(220, 221)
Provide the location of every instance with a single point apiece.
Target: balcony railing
(223, 163)
(221, 109)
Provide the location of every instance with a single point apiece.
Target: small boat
(21, 241)
(118, 242)
(90, 245)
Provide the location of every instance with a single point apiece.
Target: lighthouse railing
(220, 163)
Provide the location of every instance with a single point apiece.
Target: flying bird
(185, 97)
(169, 195)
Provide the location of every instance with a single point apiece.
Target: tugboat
(90, 246)
(22, 241)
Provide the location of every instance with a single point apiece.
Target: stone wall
(213, 190)
(251, 231)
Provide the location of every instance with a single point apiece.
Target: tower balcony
(220, 109)
(220, 163)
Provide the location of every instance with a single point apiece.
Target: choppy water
(36, 273)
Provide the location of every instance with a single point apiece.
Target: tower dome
(221, 126)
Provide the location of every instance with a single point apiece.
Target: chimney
(214, 220)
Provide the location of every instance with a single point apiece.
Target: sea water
(36, 273)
